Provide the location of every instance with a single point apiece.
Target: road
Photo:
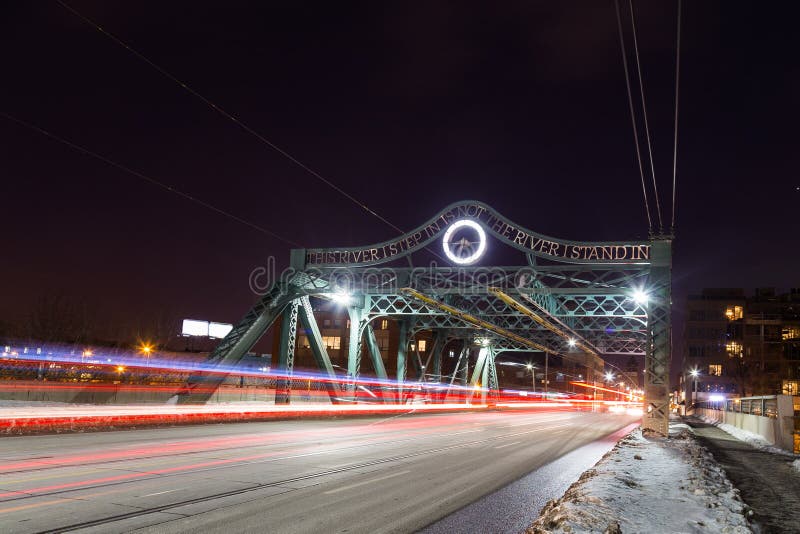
(394, 474)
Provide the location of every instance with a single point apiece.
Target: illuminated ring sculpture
(464, 252)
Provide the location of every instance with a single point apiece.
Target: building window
(422, 344)
(791, 387)
(734, 312)
(303, 342)
(384, 324)
(715, 369)
(332, 342)
(790, 332)
(337, 323)
(326, 323)
(734, 349)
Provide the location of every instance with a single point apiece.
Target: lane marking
(362, 483)
(508, 445)
(161, 492)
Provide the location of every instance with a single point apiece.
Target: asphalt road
(395, 474)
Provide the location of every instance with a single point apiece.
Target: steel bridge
(568, 298)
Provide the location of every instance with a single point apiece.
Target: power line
(644, 115)
(675, 142)
(146, 178)
(232, 118)
(633, 116)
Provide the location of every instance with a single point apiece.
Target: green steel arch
(586, 290)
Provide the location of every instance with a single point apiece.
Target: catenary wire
(675, 141)
(633, 115)
(644, 115)
(146, 178)
(231, 117)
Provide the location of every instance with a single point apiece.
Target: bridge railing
(773, 417)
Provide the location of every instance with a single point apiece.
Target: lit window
(734, 348)
(332, 342)
(303, 342)
(413, 346)
(384, 324)
(715, 369)
(422, 345)
(790, 332)
(734, 312)
(791, 387)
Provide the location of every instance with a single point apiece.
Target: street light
(342, 297)
(571, 342)
(695, 373)
(146, 349)
(640, 297)
(532, 369)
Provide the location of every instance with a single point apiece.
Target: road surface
(395, 474)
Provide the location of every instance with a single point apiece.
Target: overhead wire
(644, 116)
(146, 178)
(675, 140)
(230, 117)
(633, 115)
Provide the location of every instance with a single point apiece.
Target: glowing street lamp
(609, 377)
(147, 349)
(571, 343)
(640, 297)
(530, 367)
(342, 297)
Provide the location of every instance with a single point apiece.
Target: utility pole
(533, 376)
(546, 356)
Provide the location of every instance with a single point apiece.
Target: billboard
(219, 330)
(193, 327)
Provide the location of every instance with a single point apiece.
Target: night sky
(408, 106)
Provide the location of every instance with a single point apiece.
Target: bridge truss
(569, 299)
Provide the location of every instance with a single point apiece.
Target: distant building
(741, 345)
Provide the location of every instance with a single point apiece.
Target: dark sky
(406, 105)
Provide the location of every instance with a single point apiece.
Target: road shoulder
(648, 484)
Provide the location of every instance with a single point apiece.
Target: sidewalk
(767, 481)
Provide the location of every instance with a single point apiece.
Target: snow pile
(649, 485)
(796, 465)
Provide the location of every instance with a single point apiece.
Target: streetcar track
(259, 486)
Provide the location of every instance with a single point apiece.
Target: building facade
(741, 345)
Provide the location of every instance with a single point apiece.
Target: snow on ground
(649, 485)
(754, 440)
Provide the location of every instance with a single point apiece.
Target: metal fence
(766, 406)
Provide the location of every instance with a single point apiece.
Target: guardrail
(771, 416)
(765, 406)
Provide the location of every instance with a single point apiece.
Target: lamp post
(147, 349)
(694, 372)
(532, 369)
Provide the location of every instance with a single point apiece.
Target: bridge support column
(658, 351)
(356, 314)
(436, 354)
(402, 347)
(309, 322)
(288, 341)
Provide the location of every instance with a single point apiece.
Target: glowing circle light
(463, 251)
